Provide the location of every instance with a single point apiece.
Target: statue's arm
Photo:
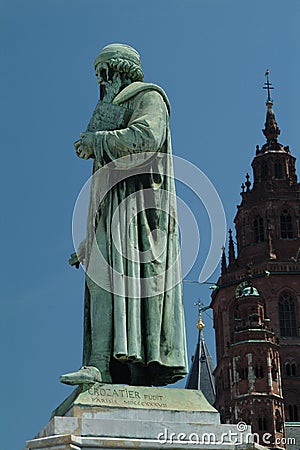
(146, 130)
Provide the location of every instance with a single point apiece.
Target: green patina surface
(134, 329)
(120, 396)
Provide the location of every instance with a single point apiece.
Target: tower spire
(231, 252)
(201, 372)
(271, 130)
(223, 262)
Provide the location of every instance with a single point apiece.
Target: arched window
(246, 416)
(286, 226)
(243, 373)
(287, 315)
(258, 228)
(274, 370)
(278, 421)
(264, 171)
(278, 170)
(259, 372)
(290, 368)
(293, 413)
(262, 423)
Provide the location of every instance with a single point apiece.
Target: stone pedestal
(103, 416)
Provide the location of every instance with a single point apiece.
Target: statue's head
(117, 64)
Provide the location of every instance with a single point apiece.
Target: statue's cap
(118, 51)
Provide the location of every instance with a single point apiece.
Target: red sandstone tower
(257, 301)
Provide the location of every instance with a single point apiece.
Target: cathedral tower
(257, 301)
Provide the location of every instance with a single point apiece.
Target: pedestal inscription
(135, 397)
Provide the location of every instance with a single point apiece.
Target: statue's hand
(85, 146)
(79, 256)
(77, 144)
(74, 261)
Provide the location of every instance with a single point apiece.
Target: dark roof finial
(223, 262)
(231, 252)
(248, 182)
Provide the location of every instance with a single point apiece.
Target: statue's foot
(87, 374)
(139, 375)
(102, 363)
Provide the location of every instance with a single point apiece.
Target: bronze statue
(134, 329)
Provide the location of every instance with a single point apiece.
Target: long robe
(141, 277)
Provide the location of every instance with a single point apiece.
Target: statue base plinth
(104, 416)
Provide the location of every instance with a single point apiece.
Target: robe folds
(132, 243)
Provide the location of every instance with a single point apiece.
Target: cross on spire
(268, 86)
(200, 305)
(201, 308)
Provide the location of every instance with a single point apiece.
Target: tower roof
(271, 130)
(201, 372)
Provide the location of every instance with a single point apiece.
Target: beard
(103, 91)
(109, 89)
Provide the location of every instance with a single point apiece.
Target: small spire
(271, 130)
(201, 371)
(223, 262)
(231, 252)
(248, 182)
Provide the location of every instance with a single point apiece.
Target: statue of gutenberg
(134, 331)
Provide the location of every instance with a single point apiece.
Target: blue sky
(210, 57)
